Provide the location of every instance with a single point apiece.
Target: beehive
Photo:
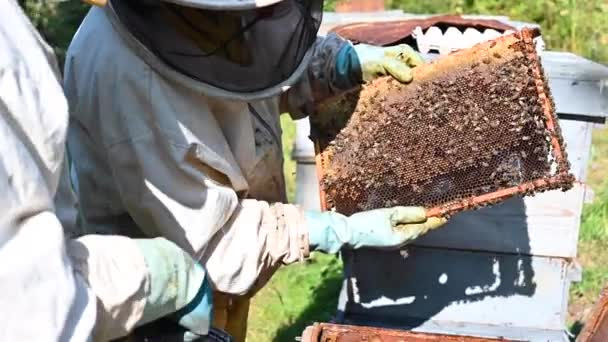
(474, 128)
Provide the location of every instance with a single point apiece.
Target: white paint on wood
(546, 224)
(587, 98)
(482, 289)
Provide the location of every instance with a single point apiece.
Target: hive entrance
(474, 128)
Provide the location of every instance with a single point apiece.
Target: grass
(297, 296)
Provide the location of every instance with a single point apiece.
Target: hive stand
(503, 271)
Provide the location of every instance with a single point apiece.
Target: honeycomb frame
(339, 184)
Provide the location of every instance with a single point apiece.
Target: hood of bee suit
(244, 52)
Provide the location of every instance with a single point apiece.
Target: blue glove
(178, 286)
(348, 69)
(381, 228)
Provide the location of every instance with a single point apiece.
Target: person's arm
(94, 288)
(338, 66)
(171, 192)
(42, 298)
(333, 69)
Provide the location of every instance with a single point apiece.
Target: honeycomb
(474, 128)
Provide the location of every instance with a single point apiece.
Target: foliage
(57, 21)
(579, 26)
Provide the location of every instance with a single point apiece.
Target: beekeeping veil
(250, 49)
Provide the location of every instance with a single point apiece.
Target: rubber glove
(381, 228)
(396, 61)
(178, 287)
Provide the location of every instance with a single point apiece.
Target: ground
(299, 295)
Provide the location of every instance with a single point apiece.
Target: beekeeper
(96, 287)
(175, 133)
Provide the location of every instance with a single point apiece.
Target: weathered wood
(596, 327)
(350, 333)
(586, 98)
(461, 292)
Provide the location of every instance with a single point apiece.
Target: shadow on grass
(323, 306)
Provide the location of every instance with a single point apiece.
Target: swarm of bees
(472, 128)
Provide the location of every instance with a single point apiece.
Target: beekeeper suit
(93, 288)
(175, 132)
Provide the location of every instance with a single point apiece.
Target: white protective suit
(156, 154)
(41, 297)
(51, 289)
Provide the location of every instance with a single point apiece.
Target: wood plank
(577, 136)
(438, 290)
(587, 98)
(596, 327)
(550, 229)
(567, 65)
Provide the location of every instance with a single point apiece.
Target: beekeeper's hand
(396, 61)
(380, 228)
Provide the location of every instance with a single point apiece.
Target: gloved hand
(178, 286)
(396, 61)
(381, 228)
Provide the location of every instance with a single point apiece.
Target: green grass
(297, 296)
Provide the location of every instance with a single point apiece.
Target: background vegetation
(301, 294)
